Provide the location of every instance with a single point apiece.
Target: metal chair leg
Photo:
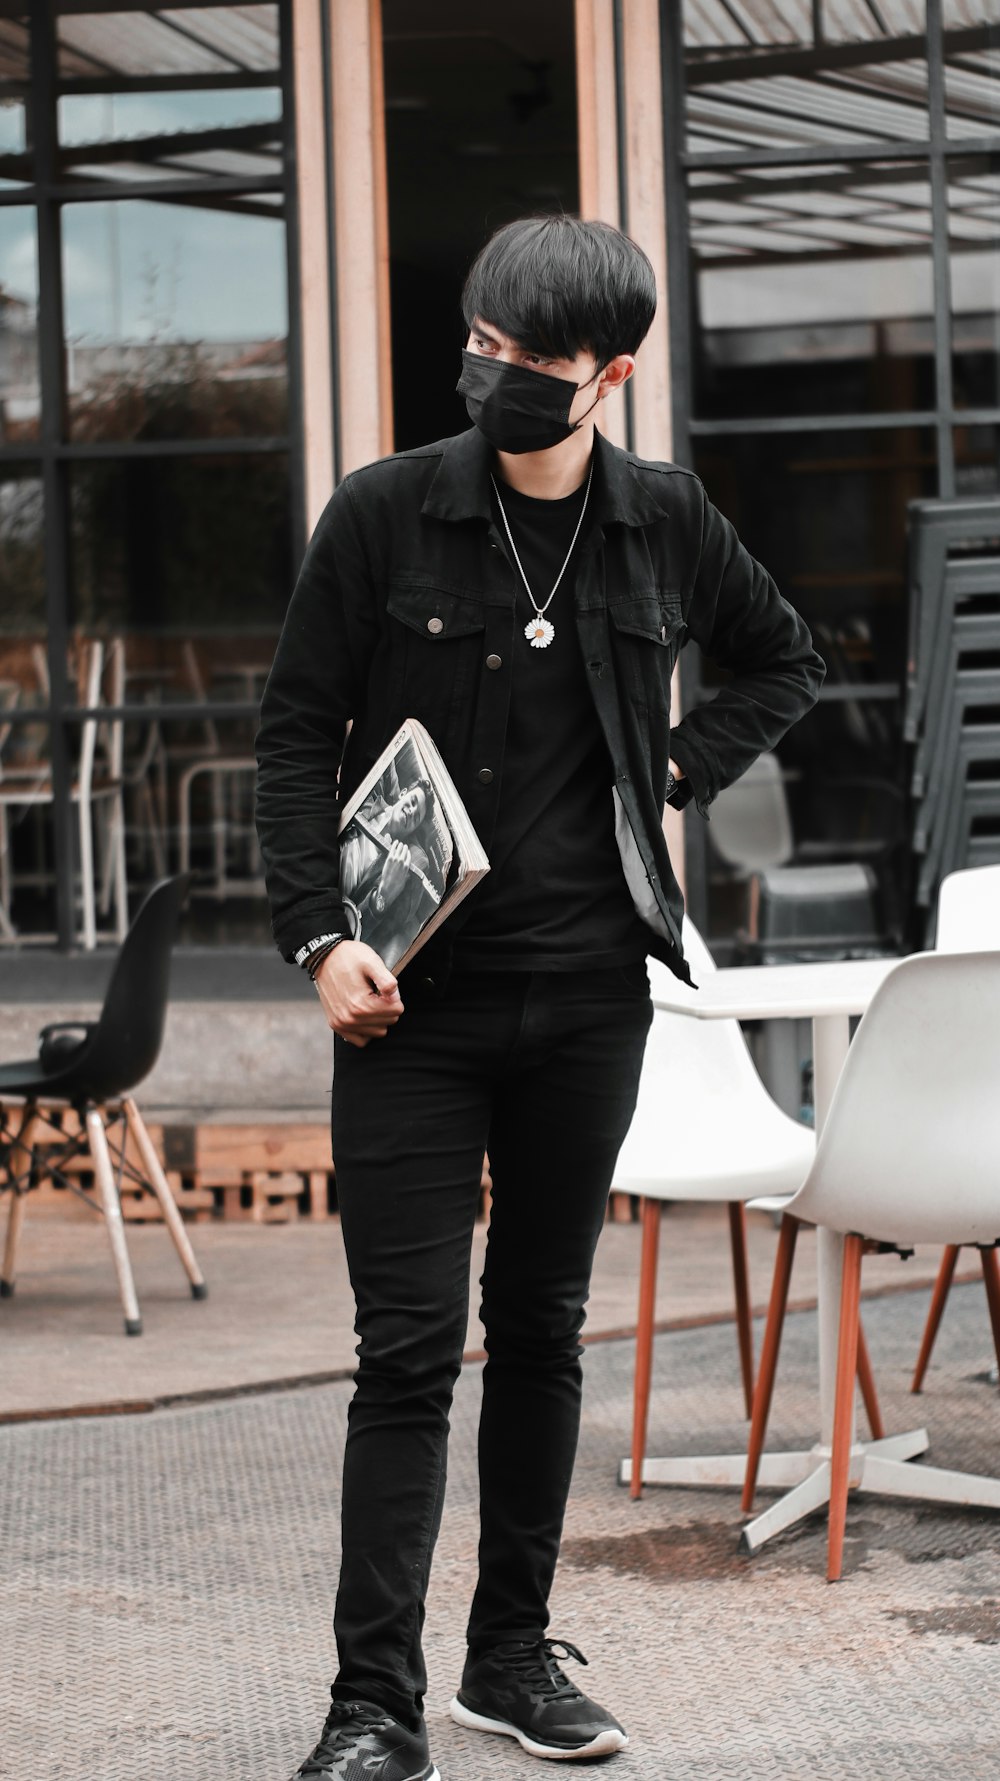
(741, 1282)
(168, 1205)
(98, 1142)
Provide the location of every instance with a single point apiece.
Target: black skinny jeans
(541, 1068)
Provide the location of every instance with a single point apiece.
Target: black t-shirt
(556, 896)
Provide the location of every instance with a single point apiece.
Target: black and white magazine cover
(408, 852)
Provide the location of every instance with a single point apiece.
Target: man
(523, 589)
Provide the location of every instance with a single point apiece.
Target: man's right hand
(359, 993)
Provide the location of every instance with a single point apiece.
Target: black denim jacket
(409, 540)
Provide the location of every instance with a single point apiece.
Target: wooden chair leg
(98, 1140)
(991, 1281)
(939, 1299)
(769, 1354)
(651, 1213)
(741, 1282)
(168, 1205)
(19, 1181)
(866, 1380)
(843, 1404)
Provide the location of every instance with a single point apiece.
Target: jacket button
(485, 776)
(435, 626)
(427, 983)
(494, 661)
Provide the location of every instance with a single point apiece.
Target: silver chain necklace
(539, 630)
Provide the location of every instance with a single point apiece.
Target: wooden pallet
(250, 1174)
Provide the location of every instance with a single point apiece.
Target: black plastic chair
(92, 1068)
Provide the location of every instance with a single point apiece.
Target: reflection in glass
(19, 391)
(977, 459)
(974, 258)
(801, 106)
(87, 118)
(814, 294)
(176, 321)
(827, 514)
(22, 574)
(163, 135)
(183, 548)
(13, 126)
(971, 72)
(25, 826)
(199, 40)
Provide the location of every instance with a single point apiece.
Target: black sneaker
(362, 1742)
(518, 1689)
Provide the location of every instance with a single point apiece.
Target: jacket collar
(460, 488)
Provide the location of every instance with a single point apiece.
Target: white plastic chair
(704, 1129)
(908, 1155)
(968, 920)
(751, 828)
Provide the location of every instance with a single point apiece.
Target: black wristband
(316, 948)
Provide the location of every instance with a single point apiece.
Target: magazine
(408, 852)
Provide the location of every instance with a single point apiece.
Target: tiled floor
(280, 1305)
(168, 1581)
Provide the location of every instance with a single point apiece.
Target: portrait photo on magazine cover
(395, 857)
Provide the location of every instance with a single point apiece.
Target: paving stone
(169, 1579)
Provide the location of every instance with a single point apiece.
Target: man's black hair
(559, 286)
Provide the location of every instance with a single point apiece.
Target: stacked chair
(952, 713)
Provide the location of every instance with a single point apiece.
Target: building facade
(232, 239)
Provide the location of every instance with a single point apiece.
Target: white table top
(776, 992)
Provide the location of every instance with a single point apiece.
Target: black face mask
(516, 409)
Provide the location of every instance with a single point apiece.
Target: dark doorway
(480, 128)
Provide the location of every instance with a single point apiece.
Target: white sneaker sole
(605, 1743)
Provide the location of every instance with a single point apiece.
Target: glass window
(977, 459)
(25, 822)
(971, 69)
(827, 515)
(22, 572)
(15, 63)
(814, 290)
(88, 118)
(799, 107)
(176, 320)
(974, 262)
(13, 126)
(178, 550)
(22, 586)
(129, 138)
(196, 40)
(19, 390)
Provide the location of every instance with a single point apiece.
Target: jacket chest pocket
(436, 646)
(648, 630)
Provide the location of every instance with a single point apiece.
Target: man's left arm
(740, 621)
